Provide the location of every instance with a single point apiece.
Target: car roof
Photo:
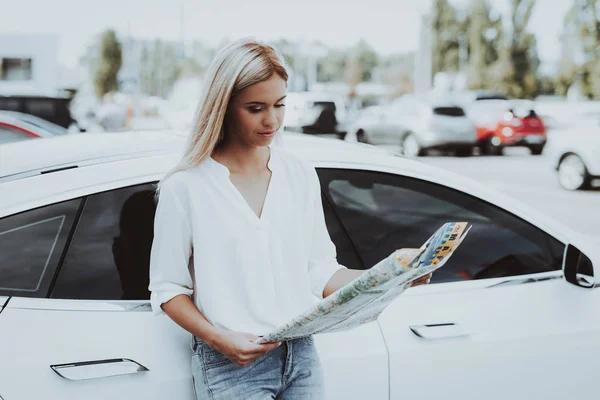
(22, 159)
(25, 158)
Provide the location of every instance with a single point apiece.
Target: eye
(279, 105)
(255, 110)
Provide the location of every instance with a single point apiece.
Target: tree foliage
(581, 38)
(109, 63)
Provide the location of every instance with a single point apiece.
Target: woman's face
(255, 115)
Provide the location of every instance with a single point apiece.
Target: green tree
(366, 57)
(582, 31)
(446, 30)
(160, 68)
(515, 72)
(524, 54)
(485, 36)
(109, 64)
(332, 67)
(567, 67)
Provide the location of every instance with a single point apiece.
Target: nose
(270, 119)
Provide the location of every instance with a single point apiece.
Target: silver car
(416, 124)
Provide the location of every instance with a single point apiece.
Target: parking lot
(530, 179)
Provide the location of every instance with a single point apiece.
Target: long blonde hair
(237, 66)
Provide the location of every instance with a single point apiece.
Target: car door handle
(439, 331)
(98, 369)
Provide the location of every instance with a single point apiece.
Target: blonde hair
(237, 66)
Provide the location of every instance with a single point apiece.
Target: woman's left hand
(424, 280)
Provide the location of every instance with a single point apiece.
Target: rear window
(449, 111)
(327, 105)
(524, 113)
(9, 104)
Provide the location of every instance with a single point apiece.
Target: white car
(498, 321)
(416, 124)
(575, 154)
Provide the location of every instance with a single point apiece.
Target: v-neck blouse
(244, 273)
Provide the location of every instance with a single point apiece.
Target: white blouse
(245, 273)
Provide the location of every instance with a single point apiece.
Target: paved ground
(530, 179)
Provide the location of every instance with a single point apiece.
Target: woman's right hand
(240, 348)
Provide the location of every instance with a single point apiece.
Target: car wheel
(463, 151)
(491, 147)
(361, 136)
(536, 150)
(410, 146)
(572, 173)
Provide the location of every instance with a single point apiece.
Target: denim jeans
(292, 371)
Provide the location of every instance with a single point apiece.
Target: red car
(15, 126)
(503, 123)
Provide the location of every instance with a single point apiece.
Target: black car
(53, 109)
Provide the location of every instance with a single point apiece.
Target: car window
(346, 253)
(31, 245)
(109, 255)
(383, 212)
(9, 104)
(9, 135)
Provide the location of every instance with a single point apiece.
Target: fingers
(424, 280)
(250, 355)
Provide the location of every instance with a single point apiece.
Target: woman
(240, 243)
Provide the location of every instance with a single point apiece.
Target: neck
(241, 157)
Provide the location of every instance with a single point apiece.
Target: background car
(416, 124)
(574, 153)
(55, 109)
(77, 227)
(316, 113)
(504, 123)
(15, 126)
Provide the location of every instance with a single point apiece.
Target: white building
(29, 64)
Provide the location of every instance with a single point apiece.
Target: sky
(390, 26)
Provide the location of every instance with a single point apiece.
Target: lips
(268, 133)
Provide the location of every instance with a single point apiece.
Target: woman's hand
(240, 348)
(424, 280)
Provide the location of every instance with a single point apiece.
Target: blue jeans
(292, 371)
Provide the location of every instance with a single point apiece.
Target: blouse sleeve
(322, 259)
(171, 249)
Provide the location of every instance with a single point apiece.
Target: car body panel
(512, 341)
(54, 332)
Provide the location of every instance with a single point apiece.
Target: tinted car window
(31, 245)
(109, 255)
(52, 109)
(346, 253)
(383, 212)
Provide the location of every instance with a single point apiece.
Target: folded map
(363, 299)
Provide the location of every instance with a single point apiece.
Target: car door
(79, 323)
(497, 321)
(355, 362)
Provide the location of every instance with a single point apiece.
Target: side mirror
(578, 268)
